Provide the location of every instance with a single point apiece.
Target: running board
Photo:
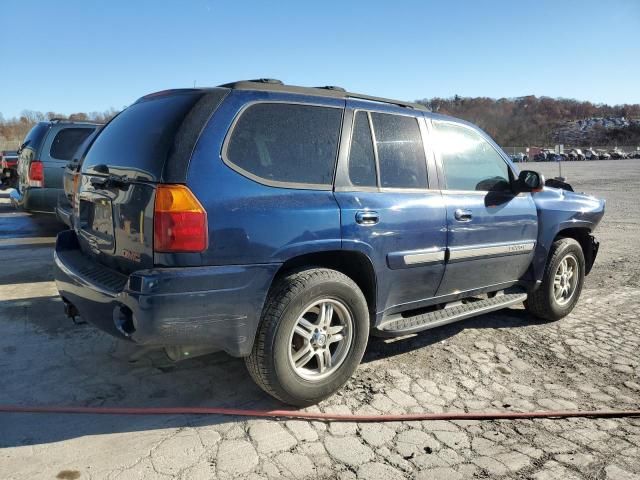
(397, 325)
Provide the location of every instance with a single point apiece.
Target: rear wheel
(562, 282)
(311, 338)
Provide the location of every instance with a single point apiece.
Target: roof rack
(326, 91)
(332, 87)
(58, 120)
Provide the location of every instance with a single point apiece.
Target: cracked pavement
(501, 361)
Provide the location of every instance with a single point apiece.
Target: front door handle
(367, 217)
(463, 215)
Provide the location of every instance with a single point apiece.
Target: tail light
(179, 221)
(36, 174)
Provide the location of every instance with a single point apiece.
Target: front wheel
(311, 338)
(562, 282)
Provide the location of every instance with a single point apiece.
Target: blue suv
(285, 225)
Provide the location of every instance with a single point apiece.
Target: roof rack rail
(400, 103)
(271, 81)
(332, 87)
(329, 91)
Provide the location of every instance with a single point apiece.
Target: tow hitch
(71, 311)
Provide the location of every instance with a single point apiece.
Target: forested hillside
(518, 121)
(13, 131)
(538, 120)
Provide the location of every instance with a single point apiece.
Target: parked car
(617, 154)
(575, 154)
(70, 181)
(46, 150)
(542, 155)
(519, 157)
(8, 169)
(286, 224)
(635, 154)
(602, 155)
(591, 154)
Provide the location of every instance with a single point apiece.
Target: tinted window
(469, 161)
(400, 151)
(81, 151)
(139, 140)
(67, 141)
(286, 142)
(362, 161)
(35, 135)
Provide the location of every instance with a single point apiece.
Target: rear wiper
(111, 181)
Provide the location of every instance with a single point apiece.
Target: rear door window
(401, 157)
(362, 160)
(67, 141)
(286, 144)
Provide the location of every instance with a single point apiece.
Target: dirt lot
(501, 361)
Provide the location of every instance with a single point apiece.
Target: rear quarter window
(285, 144)
(67, 141)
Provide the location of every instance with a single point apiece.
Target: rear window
(139, 140)
(67, 141)
(36, 135)
(276, 143)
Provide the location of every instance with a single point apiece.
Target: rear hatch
(147, 144)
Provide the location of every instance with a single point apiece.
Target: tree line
(522, 121)
(14, 130)
(531, 120)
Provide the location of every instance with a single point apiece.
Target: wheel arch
(583, 236)
(355, 265)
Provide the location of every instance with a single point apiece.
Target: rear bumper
(64, 211)
(40, 199)
(215, 306)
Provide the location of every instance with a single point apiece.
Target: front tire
(311, 338)
(562, 282)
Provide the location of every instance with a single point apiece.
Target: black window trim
(277, 183)
(424, 136)
(443, 187)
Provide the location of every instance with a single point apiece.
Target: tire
(299, 295)
(543, 302)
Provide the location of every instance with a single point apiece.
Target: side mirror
(529, 181)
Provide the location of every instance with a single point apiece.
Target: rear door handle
(367, 217)
(463, 215)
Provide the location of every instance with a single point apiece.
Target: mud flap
(590, 253)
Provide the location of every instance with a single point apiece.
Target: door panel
(406, 245)
(401, 229)
(495, 245)
(491, 232)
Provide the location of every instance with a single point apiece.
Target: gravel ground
(502, 361)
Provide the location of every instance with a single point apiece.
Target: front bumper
(215, 306)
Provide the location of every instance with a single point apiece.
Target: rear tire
(561, 284)
(311, 338)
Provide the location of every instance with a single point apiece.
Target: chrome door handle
(367, 217)
(463, 215)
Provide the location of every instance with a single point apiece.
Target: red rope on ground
(333, 417)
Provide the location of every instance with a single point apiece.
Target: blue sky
(69, 56)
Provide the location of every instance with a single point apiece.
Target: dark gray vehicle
(70, 180)
(45, 152)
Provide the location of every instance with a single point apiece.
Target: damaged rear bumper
(215, 306)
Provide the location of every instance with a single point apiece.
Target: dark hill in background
(531, 120)
(522, 121)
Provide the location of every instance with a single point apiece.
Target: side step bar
(397, 325)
